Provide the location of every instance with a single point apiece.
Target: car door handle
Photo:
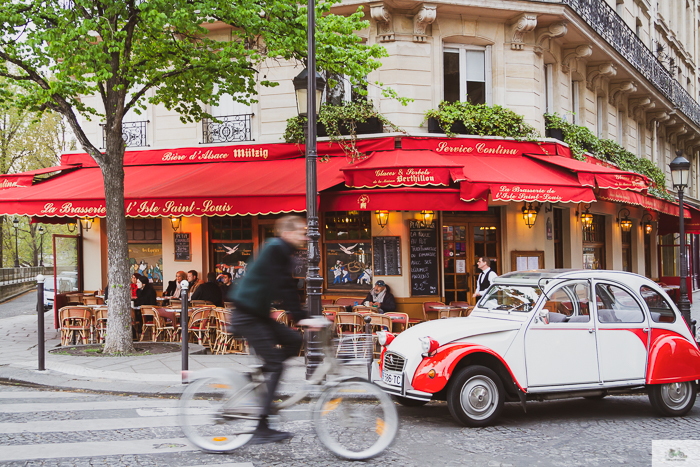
(645, 329)
(591, 330)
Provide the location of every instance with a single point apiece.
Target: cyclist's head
(292, 229)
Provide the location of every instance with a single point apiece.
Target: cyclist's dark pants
(264, 335)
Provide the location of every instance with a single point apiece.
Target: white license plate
(393, 378)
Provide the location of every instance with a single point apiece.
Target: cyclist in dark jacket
(270, 279)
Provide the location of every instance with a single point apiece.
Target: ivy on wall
(581, 140)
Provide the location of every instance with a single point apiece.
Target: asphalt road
(23, 305)
(47, 428)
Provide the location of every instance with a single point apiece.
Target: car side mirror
(544, 315)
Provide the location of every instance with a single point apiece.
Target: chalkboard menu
(182, 247)
(387, 256)
(424, 259)
(301, 262)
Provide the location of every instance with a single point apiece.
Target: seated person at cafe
(209, 291)
(380, 296)
(146, 294)
(173, 290)
(134, 287)
(225, 284)
(193, 280)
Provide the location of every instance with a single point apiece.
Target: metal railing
(17, 275)
(231, 129)
(608, 24)
(133, 134)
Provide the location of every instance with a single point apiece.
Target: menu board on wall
(423, 244)
(387, 256)
(182, 247)
(301, 262)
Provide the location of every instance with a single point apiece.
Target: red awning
(592, 174)
(402, 168)
(28, 178)
(519, 179)
(669, 224)
(399, 199)
(645, 201)
(226, 188)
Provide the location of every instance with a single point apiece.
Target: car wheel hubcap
(478, 397)
(676, 395)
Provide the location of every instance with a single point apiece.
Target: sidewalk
(149, 374)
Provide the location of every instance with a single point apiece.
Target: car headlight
(384, 338)
(428, 345)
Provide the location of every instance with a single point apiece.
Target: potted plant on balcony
(342, 124)
(466, 118)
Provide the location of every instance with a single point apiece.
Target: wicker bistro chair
(163, 327)
(379, 323)
(76, 321)
(399, 321)
(198, 303)
(227, 341)
(363, 309)
(430, 313)
(453, 312)
(91, 300)
(348, 323)
(149, 316)
(100, 315)
(199, 325)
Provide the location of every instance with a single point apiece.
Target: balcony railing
(231, 129)
(606, 22)
(133, 134)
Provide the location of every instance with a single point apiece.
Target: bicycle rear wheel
(219, 413)
(355, 420)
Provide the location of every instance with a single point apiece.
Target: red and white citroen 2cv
(547, 334)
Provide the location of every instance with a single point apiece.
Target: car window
(661, 311)
(569, 303)
(616, 305)
(510, 297)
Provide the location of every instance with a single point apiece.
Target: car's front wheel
(475, 396)
(673, 399)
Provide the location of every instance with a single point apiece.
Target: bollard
(184, 321)
(40, 319)
(368, 331)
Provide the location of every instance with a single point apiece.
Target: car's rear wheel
(408, 402)
(475, 396)
(673, 399)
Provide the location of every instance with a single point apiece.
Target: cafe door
(465, 238)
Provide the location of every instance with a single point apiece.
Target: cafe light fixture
(175, 222)
(530, 212)
(586, 218)
(71, 226)
(624, 222)
(382, 218)
(427, 218)
(86, 222)
(646, 223)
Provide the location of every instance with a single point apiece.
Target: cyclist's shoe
(265, 435)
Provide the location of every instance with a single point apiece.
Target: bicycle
(353, 418)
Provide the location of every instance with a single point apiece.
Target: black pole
(40, 320)
(314, 281)
(683, 302)
(368, 331)
(16, 249)
(184, 321)
(41, 261)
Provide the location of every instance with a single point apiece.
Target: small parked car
(49, 292)
(547, 334)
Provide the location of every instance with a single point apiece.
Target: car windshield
(510, 298)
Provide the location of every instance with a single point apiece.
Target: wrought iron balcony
(133, 134)
(606, 22)
(231, 129)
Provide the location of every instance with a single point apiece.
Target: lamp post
(42, 231)
(680, 168)
(308, 86)
(15, 224)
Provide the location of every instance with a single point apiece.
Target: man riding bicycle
(268, 279)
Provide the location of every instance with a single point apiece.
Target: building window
(574, 102)
(548, 89)
(594, 244)
(343, 90)
(670, 255)
(638, 28)
(557, 216)
(231, 228)
(620, 7)
(348, 250)
(146, 248)
(235, 121)
(599, 123)
(627, 251)
(467, 74)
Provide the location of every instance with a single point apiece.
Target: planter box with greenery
(478, 119)
(371, 126)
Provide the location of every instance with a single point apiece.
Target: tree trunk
(118, 339)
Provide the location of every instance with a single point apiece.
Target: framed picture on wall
(526, 260)
(233, 258)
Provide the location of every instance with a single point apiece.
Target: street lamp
(15, 224)
(312, 92)
(42, 231)
(680, 168)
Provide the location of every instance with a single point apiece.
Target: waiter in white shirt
(486, 277)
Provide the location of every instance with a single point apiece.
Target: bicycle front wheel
(219, 413)
(355, 420)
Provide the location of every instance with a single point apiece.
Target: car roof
(535, 276)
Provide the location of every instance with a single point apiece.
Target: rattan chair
(430, 313)
(100, 315)
(348, 323)
(149, 317)
(199, 325)
(399, 321)
(76, 321)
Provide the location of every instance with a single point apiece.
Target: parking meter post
(368, 331)
(40, 320)
(184, 319)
